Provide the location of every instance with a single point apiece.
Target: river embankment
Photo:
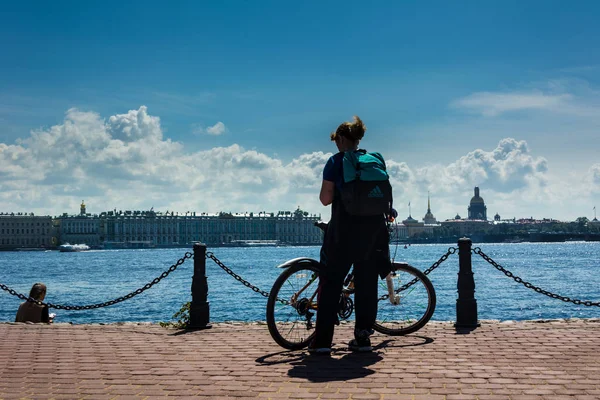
(553, 359)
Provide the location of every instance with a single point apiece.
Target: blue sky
(503, 95)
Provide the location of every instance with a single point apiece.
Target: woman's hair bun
(356, 128)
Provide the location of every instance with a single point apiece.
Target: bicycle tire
(417, 302)
(287, 324)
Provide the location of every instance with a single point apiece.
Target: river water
(569, 269)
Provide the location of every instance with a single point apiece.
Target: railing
(466, 304)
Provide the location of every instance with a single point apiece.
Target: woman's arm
(327, 192)
(45, 318)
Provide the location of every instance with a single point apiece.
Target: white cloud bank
(124, 162)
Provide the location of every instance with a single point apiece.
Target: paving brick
(498, 361)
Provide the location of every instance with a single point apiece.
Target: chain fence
(236, 276)
(128, 296)
(451, 250)
(528, 285)
(264, 293)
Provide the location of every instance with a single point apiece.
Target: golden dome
(477, 200)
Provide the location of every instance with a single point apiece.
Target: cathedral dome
(477, 200)
(477, 208)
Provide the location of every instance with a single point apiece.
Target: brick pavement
(525, 360)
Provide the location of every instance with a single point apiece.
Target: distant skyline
(208, 107)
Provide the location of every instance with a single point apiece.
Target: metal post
(199, 309)
(466, 305)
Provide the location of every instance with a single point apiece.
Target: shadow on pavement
(319, 368)
(341, 365)
(185, 331)
(396, 344)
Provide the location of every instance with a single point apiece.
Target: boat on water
(69, 248)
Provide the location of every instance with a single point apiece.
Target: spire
(428, 203)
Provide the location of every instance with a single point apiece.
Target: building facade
(26, 230)
(79, 229)
(156, 229)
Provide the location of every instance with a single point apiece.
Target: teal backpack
(366, 189)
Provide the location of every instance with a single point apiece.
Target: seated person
(33, 312)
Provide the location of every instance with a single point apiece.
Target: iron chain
(236, 276)
(528, 285)
(128, 296)
(451, 250)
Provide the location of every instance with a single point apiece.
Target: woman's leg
(365, 298)
(331, 282)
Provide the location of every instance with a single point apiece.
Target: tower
(429, 219)
(477, 208)
(82, 208)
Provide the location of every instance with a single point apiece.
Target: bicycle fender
(300, 260)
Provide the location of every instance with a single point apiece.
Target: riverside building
(139, 229)
(410, 227)
(83, 228)
(26, 231)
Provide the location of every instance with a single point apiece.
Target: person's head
(38, 291)
(348, 134)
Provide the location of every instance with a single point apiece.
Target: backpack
(366, 188)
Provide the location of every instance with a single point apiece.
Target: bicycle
(406, 302)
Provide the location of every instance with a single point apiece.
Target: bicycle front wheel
(413, 305)
(292, 305)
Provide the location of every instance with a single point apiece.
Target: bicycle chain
(528, 285)
(451, 250)
(238, 278)
(128, 296)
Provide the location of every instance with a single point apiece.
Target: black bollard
(466, 305)
(199, 309)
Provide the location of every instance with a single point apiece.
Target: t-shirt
(333, 171)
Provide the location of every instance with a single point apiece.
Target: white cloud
(492, 104)
(593, 177)
(216, 129)
(125, 162)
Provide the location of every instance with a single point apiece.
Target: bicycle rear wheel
(416, 302)
(292, 305)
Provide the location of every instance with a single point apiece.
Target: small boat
(69, 248)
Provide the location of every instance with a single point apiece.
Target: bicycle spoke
(416, 302)
(292, 324)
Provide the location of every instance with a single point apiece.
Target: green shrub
(181, 317)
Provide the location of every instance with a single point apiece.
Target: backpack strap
(355, 162)
(380, 158)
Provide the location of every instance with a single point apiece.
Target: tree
(581, 221)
